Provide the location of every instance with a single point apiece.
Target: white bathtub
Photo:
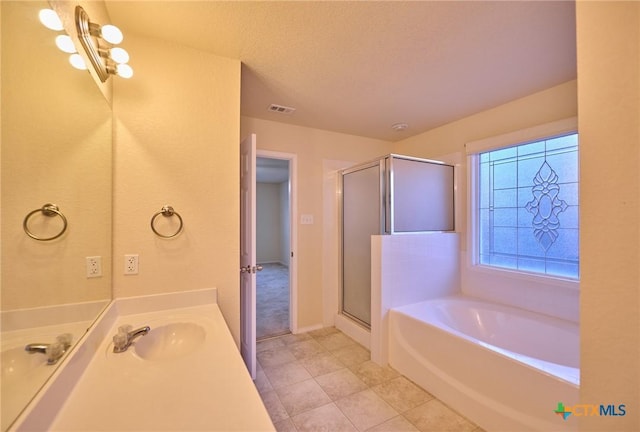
(501, 367)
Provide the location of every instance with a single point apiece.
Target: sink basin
(170, 341)
(17, 363)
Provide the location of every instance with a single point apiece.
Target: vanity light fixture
(119, 55)
(77, 61)
(65, 44)
(98, 42)
(50, 19)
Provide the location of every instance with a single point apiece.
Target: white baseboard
(274, 262)
(353, 330)
(307, 329)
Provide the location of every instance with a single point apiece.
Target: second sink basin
(17, 363)
(170, 341)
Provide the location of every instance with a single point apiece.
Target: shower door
(393, 195)
(362, 205)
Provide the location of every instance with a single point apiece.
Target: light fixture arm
(88, 40)
(94, 29)
(90, 36)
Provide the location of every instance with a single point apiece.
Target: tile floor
(325, 381)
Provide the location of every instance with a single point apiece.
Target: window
(527, 207)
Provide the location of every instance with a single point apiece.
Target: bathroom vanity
(185, 374)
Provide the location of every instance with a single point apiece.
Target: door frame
(293, 230)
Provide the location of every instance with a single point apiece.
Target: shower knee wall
(407, 269)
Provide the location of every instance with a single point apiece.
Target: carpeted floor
(272, 301)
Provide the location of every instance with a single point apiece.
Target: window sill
(519, 275)
(550, 296)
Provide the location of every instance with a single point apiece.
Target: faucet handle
(54, 351)
(120, 341)
(65, 339)
(126, 328)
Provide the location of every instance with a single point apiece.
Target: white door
(248, 266)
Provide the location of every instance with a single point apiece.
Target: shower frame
(386, 215)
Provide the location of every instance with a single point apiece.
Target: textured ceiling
(359, 67)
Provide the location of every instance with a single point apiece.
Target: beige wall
(285, 224)
(609, 122)
(176, 142)
(56, 148)
(448, 141)
(97, 13)
(312, 147)
(546, 106)
(268, 226)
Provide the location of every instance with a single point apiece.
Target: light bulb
(77, 61)
(124, 71)
(111, 34)
(119, 55)
(65, 44)
(50, 19)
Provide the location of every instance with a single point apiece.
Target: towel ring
(49, 210)
(166, 211)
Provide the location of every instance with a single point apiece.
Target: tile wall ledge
(173, 300)
(20, 319)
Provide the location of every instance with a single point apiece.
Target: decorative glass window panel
(528, 207)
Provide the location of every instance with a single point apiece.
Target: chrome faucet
(54, 351)
(125, 336)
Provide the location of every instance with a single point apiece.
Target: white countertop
(208, 389)
(21, 381)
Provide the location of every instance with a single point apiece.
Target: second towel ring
(49, 210)
(166, 211)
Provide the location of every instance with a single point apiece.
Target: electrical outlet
(93, 266)
(131, 264)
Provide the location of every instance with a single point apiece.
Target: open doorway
(273, 246)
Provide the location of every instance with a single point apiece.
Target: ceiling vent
(281, 109)
(399, 127)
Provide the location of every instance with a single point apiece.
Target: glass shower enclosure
(391, 195)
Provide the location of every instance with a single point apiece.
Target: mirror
(56, 148)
